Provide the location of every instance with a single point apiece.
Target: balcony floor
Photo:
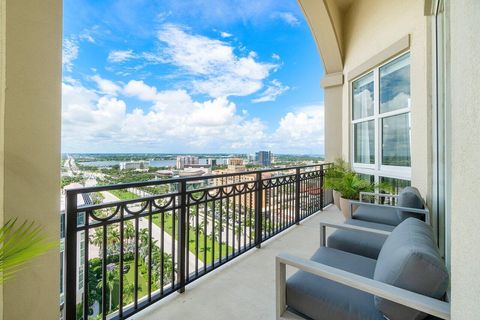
(245, 287)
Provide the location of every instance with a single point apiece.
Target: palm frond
(20, 245)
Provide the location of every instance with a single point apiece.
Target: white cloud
(69, 53)
(287, 17)
(140, 90)
(106, 86)
(95, 121)
(225, 34)
(301, 130)
(87, 37)
(274, 89)
(275, 56)
(120, 55)
(219, 70)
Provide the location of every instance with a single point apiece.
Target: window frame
(377, 169)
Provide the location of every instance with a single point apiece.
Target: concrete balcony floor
(245, 287)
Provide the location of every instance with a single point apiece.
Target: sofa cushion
(320, 298)
(409, 197)
(361, 243)
(377, 214)
(409, 259)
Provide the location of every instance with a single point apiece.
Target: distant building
(135, 165)
(263, 158)
(212, 161)
(206, 168)
(235, 161)
(251, 159)
(186, 160)
(162, 174)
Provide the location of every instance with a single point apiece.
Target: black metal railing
(124, 255)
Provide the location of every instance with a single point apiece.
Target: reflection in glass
(363, 97)
(395, 84)
(396, 140)
(397, 184)
(364, 137)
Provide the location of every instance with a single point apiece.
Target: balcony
(166, 234)
(248, 281)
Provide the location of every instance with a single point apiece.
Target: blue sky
(190, 76)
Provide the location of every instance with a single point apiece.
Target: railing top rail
(75, 191)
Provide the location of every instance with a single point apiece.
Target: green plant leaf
(20, 245)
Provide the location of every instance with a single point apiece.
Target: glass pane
(364, 137)
(397, 184)
(395, 84)
(368, 177)
(363, 97)
(396, 140)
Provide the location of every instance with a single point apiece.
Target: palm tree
(144, 236)
(129, 231)
(97, 239)
(128, 291)
(113, 237)
(111, 280)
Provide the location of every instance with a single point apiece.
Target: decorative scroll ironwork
(125, 255)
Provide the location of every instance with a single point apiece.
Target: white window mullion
(378, 141)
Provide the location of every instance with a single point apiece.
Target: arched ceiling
(324, 18)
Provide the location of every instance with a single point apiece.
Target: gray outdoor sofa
(377, 216)
(407, 281)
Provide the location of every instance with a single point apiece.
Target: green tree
(111, 280)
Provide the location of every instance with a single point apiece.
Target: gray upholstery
(409, 197)
(319, 298)
(361, 243)
(371, 225)
(377, 214)
(409, 259)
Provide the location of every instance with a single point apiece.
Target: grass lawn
(127, 195)
(130, 277)
(123, 194)
(168, 225)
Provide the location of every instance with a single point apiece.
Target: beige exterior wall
(354, 32)
(30, 108)
(371, 27)
(2, 118)
(464, 156)
(333, 117)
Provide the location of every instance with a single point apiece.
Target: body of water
(153, 163)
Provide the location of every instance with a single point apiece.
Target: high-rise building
(263, 158)
(186, 160)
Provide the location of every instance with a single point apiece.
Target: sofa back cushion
(410, 198)
(409, 259)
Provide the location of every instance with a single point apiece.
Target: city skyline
(179, 78)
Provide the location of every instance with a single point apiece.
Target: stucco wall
(464, 158)
(2, 116)
(370, 27)
(31, 105)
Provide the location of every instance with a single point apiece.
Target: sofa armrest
(401, 296)
(344, 226)
(425, 211)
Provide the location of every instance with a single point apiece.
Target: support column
(30, 118)
(332, 84)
